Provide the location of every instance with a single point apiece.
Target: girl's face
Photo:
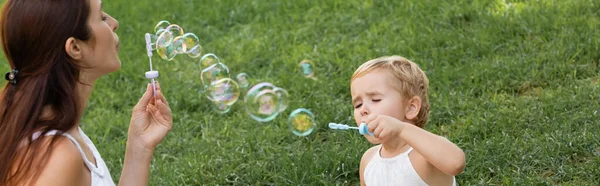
(374, 93)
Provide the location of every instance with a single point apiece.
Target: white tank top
(392, 171)
(100, 174)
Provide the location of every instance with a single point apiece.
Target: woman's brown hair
(33, 34)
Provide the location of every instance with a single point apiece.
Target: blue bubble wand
(362, 128)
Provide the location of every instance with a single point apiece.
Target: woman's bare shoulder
(64, 164)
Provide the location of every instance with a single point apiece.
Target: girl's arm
(439, 151)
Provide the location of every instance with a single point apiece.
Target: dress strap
(408, 151)
(87, 162)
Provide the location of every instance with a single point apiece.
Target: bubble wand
(362, 128)
(150, 74)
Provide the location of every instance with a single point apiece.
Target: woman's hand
(151, 119)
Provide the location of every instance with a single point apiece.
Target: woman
(57, 50)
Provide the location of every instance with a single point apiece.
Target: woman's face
(101, 51)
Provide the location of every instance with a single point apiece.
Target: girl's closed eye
(358, 105)
(104, 17)
(376, 100)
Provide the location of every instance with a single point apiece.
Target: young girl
(56, 50)
(389, 94)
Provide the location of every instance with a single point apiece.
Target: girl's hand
(384, 127)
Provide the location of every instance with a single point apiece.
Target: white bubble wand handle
(150, 74)
(362, 128)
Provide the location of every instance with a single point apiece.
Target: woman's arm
(150, 122)
(136, 166)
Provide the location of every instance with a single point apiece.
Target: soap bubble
(158, 30)
(208, 60)
(191, 45)
(243, 80)
(176, 30)
(307, 68)
(167, 52)
(221, 108)
(166, 37)
(187, 44)
(302, 122)
(178, 45)
(262, 103)
(214, 73)
(161, 26)
(225, 91)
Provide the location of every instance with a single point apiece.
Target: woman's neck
(83, 91)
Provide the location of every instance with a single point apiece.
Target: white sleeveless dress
(100, 174)
(397, 170)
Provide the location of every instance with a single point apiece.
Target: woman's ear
(414, 106)
(74, 49)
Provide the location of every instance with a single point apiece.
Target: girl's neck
(393, 147)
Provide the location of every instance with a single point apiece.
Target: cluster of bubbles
(263, 101)
(218, 86)
(169, 40)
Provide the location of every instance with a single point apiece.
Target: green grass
(515, 84)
